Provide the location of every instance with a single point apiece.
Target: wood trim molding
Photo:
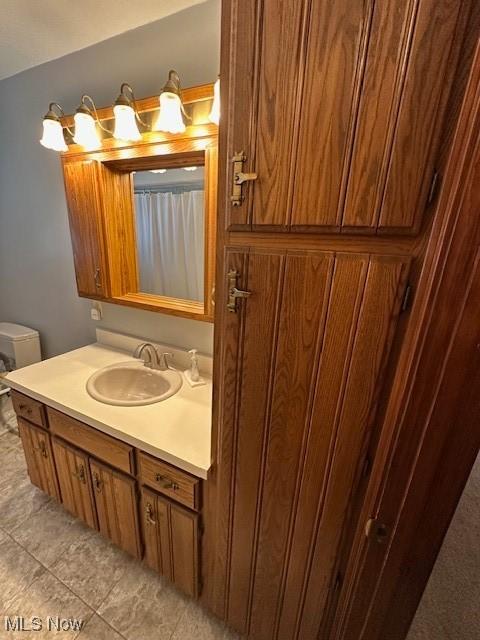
(431, 435)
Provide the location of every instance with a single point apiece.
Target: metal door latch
(233, 292)
(239, 177)
(376, 530)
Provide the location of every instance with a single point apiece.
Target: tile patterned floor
(53, 565)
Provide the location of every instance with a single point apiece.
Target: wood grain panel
(263, 278)
(373, 335)
(303, 306)
(39, 458)
(184, 545)
(74, 481)
(411, 167)
(86, 228)
(391, 33)
(118, 220)
(238, 52)
(115, 452)
(229, 371)
(156, 533)
(344, 305)
(277, 76)
(337, 38)
(116, 504)
(28, 408)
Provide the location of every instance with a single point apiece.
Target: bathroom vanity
(134, 473)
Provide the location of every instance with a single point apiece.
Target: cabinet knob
(80, 474)
(149, 514)
(167, 483)
(97, 482)
(42, 448)
(25, 407)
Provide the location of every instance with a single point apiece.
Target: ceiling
(36, 31)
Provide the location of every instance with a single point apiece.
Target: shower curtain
(170, 243)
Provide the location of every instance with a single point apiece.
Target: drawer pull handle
(80, 474)
(149, 514)
(26, 408)
(43, 449)
(97, 482)
(166, 483)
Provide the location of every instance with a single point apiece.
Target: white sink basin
(133, 384)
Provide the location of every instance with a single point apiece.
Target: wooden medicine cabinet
(142, 216)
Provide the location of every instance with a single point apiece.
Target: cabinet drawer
(30, 409)
(111, 450)
(172, 482)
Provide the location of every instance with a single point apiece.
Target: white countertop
(177, 430)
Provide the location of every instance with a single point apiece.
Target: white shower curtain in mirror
(170, 243)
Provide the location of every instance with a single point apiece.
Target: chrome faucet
(152, 359)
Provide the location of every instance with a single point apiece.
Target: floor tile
(49, 533)
(97, 629)
(46, 597)
(197, 624)
(19, 501)
(142, 606)
(17, 571)
(90, 567)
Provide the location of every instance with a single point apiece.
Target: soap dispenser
(193, 374)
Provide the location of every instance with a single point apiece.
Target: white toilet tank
(19, 345)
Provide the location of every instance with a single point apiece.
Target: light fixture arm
(126, 87)
(54, 116)
(92, 110)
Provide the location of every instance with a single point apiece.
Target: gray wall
(37, 281)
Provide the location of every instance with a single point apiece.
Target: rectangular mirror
(170, 231)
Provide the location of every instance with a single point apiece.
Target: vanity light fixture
(126, 115)
(170, 118)
(53, 137)
(86, 119)
(215, 112)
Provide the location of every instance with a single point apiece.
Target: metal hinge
(233, 292)
(434, 185)
(239, 177)
(376, 530)
(407, 298)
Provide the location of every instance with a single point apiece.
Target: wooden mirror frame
(99, 190)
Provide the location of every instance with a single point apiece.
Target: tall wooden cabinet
(333, 110)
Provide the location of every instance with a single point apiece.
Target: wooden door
(116, 502)
(39, 458)
(86, 226)
(302, 369)
(74, 481)
(337, 106)
(170, 534)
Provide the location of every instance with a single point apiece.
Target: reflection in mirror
(170, 219)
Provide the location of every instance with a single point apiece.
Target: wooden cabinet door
(86, 226)
(301, 369)
(171, 541)
(74, 481)
(39, 458)
(116, 502)
(337, 107)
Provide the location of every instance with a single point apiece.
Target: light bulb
(190, 168)
(86, 133)
(215, 112)
(126, 127)
(158, 171)
(52, 137)
(170, 117)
